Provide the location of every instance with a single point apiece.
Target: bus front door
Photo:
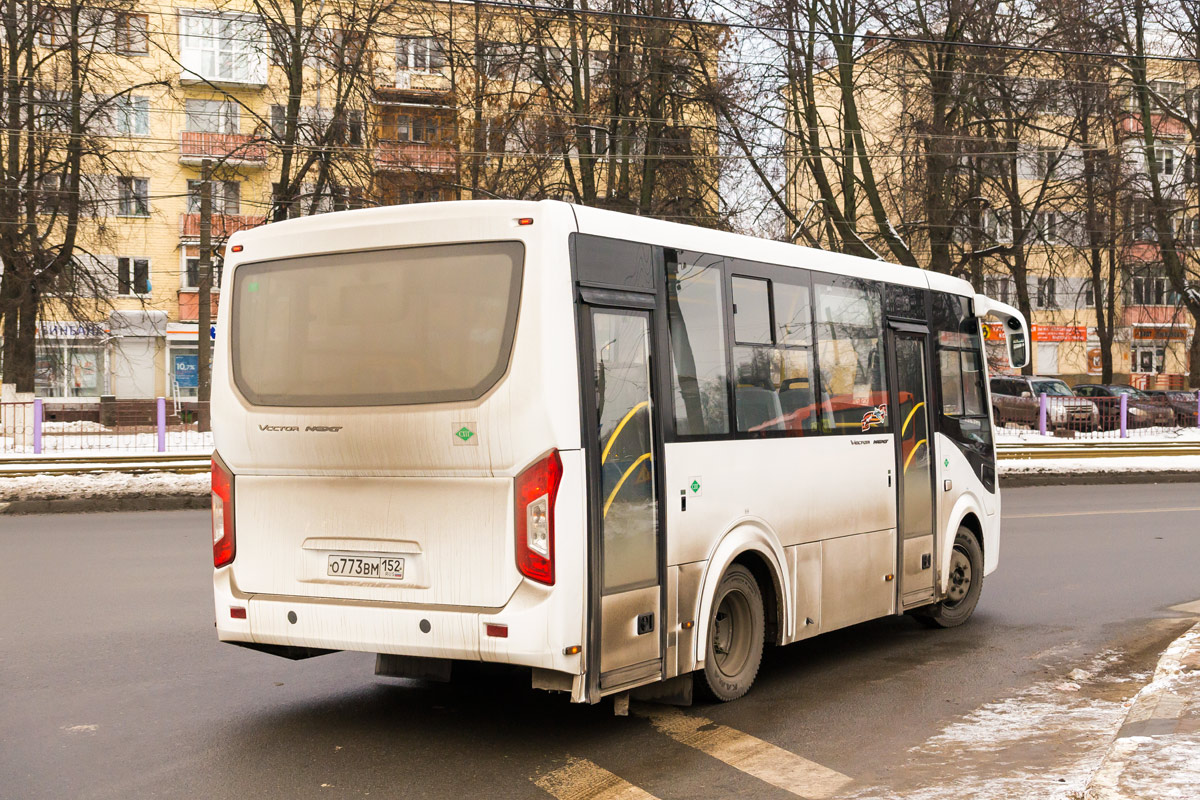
(914, 467)
(623, 500)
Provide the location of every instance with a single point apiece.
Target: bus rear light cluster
(536, 491)
(224, 544)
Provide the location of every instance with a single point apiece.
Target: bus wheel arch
(971, 522)
(758, 551)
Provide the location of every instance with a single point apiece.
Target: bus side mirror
(1016, 330)
(1018, 350)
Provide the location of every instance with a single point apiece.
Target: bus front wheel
(963, 587)
(735, 636)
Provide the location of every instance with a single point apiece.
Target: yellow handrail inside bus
(904, 427)
(620, 483)
(615, 433)
(913, 452)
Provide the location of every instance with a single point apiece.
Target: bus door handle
(889, 479)
(683, 499)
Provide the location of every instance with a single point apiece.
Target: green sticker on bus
(695, 486)
(464, 433)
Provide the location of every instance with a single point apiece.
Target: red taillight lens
(222, 514)
(536, 490)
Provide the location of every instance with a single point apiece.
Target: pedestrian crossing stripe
(580, 779)
(763, 760)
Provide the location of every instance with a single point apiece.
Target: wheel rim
(731, 633)
(960, 576)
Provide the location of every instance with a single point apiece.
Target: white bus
(614, 450)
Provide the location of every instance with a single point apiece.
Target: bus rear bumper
(513, 634)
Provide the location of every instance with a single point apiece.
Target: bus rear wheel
(735, 636)
(963, 587)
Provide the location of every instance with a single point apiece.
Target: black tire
(965, 584)
(735, 636)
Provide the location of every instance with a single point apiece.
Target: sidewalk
(1156, 753)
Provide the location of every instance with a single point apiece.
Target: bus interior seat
(757, 406)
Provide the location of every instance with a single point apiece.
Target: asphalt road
(112, 683)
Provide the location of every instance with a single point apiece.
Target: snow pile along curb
(104, 491)
(1156, 753)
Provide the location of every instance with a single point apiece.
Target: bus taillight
(222, 513)
(536, 490)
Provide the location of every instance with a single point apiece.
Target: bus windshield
(381, 327)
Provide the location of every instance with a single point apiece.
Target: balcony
(189, 305)
(223, 225)
(415, 156)
(227, 148)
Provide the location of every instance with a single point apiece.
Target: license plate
(344, 566)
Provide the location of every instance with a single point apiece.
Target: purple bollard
(1043, 401)
(1124, 416)
(162, 424)
(37, 426)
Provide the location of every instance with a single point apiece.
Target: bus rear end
(398, 470)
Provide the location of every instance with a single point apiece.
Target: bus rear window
(381, 327)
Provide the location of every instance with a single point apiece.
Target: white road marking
(580, 779)
(751, 755)
(80, 728)
(1118, 511)
(1188, 608)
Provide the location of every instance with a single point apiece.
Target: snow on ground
(1059, 466)
(1022, 436)
(1044, 742)
(1162, 768)
(69, 438)
(103, 485)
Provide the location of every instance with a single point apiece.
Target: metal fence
(31, 428)
(1100, 417)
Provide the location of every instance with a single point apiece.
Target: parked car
(1183, 403)
(1144, 411)
(1015, 400)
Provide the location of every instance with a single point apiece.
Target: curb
(91, 505)
(1155, 710)
(1019, 479)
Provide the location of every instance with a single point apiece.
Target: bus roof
(282, 236)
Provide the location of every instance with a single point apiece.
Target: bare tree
(66, 110)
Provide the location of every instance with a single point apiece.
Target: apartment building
(367, 102)
(1017, 202)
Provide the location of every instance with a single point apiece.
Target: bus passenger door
(914, 467)
(623, 503)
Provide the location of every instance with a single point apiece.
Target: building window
(1152, 290)
(223, 47)
(191, 268)
(68, 369)
(1149, 359)
(1045, 224)
(133, 276)
(226, 197)
(211, 116)
(133, 197)
(419, 54)
(409, 127)
(98, 29)
(132, 33)
(131, 115)
(1046, 293)
(998, 287)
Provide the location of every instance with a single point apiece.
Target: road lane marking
(1096, 513)
(580, 779)
(751, 755)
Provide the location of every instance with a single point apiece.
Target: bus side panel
(808, 490)
(967, 495)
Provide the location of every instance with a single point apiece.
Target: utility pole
(204, 297)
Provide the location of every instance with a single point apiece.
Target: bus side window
(849, 315)
(696, 319)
